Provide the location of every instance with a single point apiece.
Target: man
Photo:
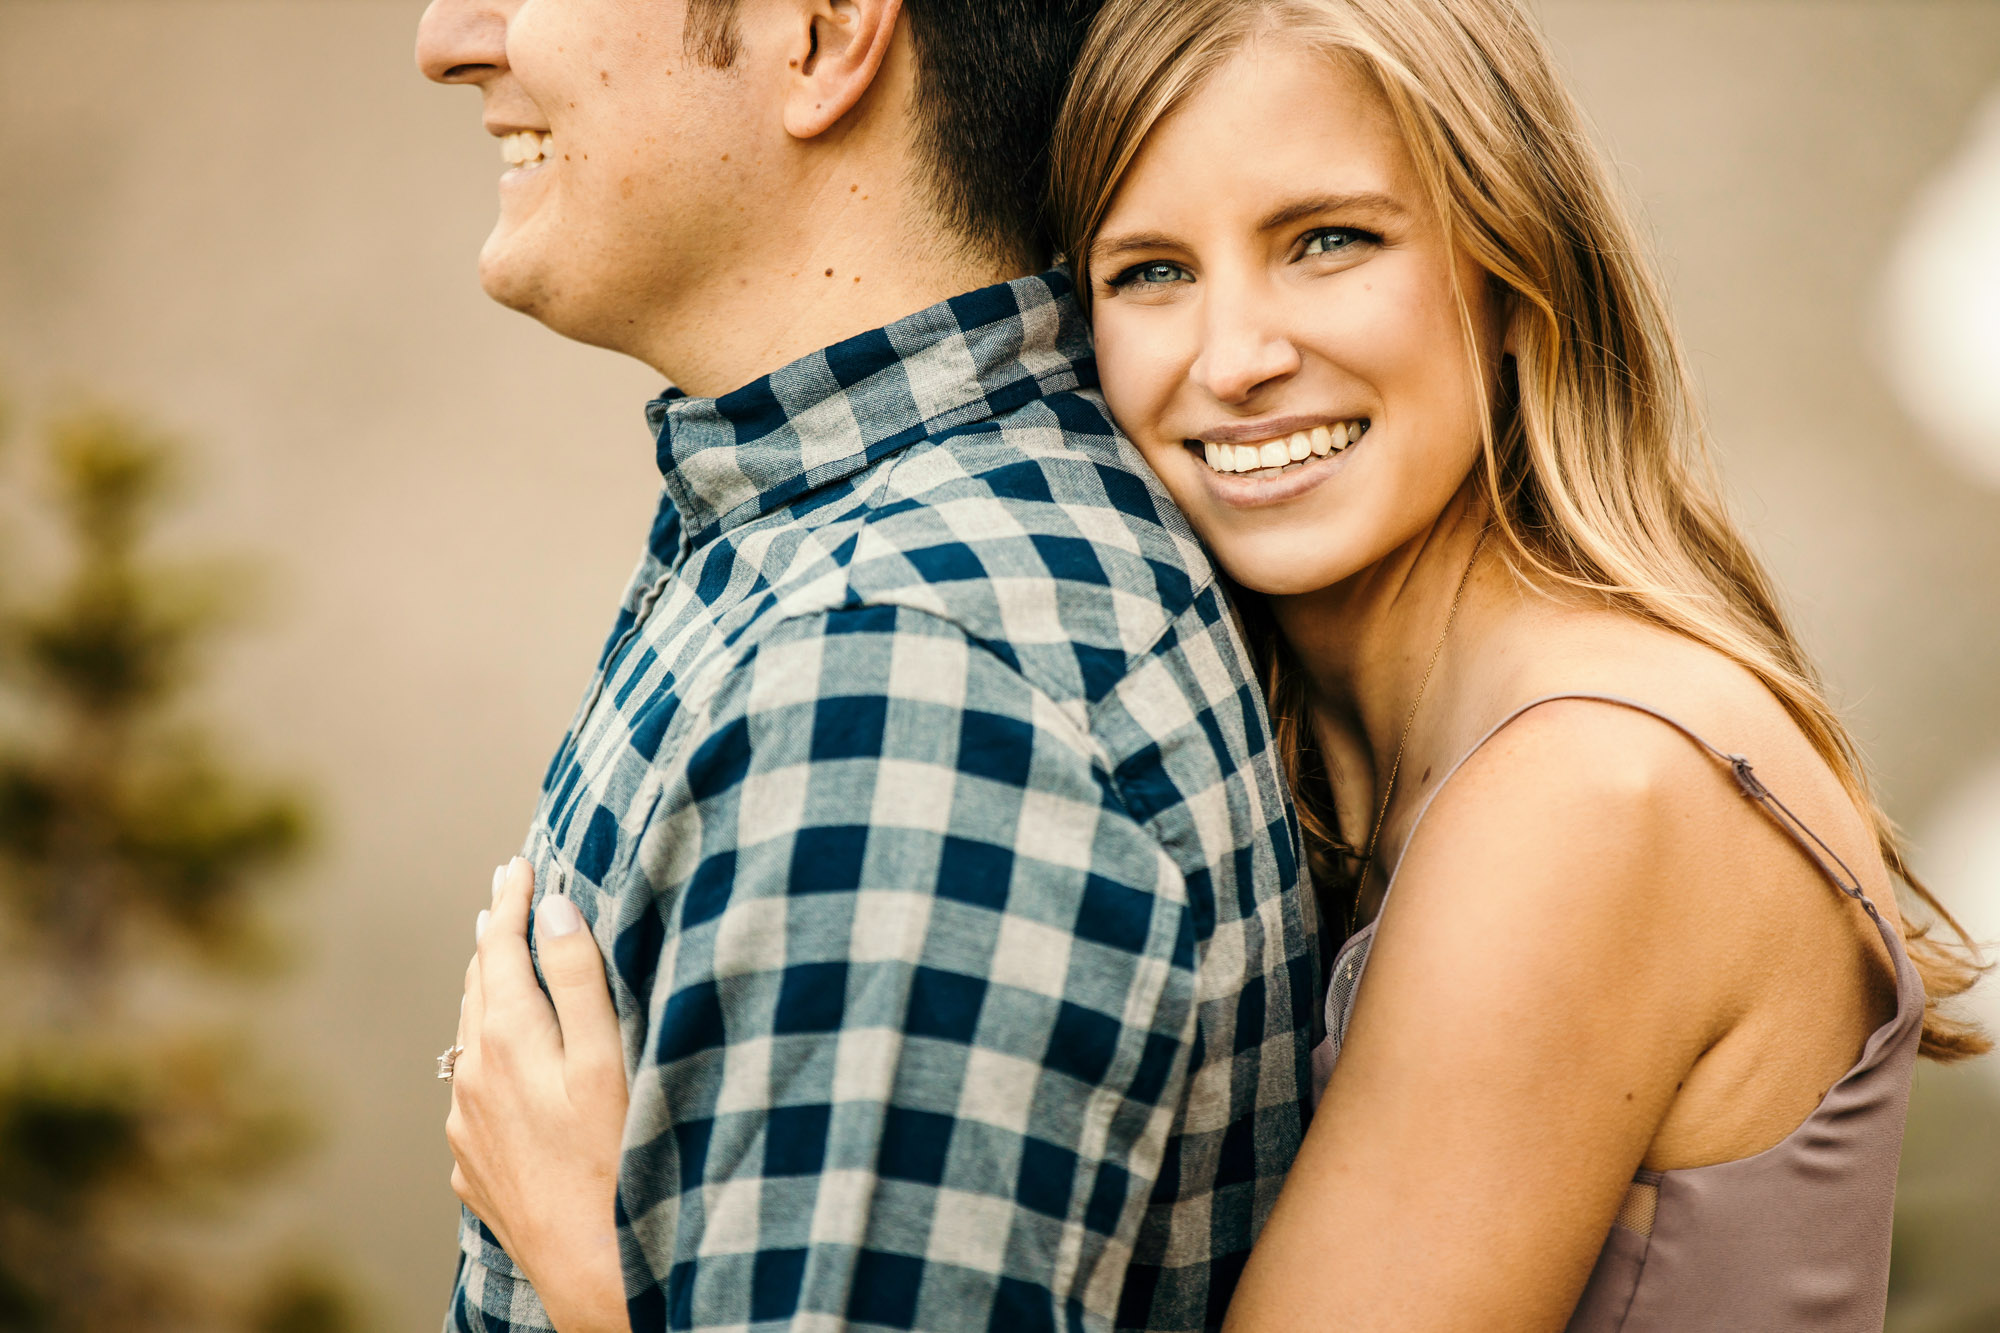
(922, 797)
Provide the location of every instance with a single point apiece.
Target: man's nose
(462, 41)
(1241, 350)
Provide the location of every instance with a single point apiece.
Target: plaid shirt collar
(827, 416)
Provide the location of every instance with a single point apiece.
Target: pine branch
(126, 840)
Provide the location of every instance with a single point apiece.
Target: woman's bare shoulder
(1617, 861)
(1638, 771)
(1582, 826)
(1697, 696)
(1578, 797)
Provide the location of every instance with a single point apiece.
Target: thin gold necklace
(1396, 765)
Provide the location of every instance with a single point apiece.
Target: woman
(1608, 1044)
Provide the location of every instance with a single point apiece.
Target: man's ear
(839, 52)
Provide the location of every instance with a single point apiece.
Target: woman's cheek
(1139, 365)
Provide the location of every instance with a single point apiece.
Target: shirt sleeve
(922, 1005)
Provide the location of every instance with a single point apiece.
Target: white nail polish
(558, 917)
(479, 928)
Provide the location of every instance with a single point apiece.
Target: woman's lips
(1279, 452)
(1277, 481)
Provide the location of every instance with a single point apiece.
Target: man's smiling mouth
(1272, 456)
(525, 148)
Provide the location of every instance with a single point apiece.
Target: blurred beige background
(251, 221)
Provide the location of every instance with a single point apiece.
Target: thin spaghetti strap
(1809, 842)
(1909, 986)
(1822, 856)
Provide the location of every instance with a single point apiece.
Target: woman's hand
(538, 1104)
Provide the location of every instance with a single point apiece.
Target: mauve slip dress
(1792, 1240)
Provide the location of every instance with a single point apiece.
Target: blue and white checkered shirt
(925, 809)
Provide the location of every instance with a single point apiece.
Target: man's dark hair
(990, 78)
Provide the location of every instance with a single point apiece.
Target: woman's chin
(1272, 566)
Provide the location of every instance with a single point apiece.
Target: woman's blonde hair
(1597, 467)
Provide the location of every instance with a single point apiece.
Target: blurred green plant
(129, 853)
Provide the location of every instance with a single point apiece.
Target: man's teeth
(1285, 449)
(525, 148)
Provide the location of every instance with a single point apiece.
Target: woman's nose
(462, 41)
(1241, 353)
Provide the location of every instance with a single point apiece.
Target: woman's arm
(1542, 980)
(538, 1105)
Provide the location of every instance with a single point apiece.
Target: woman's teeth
(1275, 454)
(524, 149)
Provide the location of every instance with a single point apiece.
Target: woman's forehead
(1277, 121)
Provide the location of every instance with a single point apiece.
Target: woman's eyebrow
(1365, 201)
(1360, 201)
(1135, 240)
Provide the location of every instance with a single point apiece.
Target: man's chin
(515, 270)
(509, 276)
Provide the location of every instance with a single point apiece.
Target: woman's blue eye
(1333, 240)
(1157, 272)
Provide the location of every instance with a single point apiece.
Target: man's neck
(855, 271)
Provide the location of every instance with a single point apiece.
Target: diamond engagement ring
(448, 1060)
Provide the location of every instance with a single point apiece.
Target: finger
(469, 1003)
(458, 1044)
(593, 1051)
(479, 923)
(464, 1041)
(506, 972)
(516, 890)
(471, 1007)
